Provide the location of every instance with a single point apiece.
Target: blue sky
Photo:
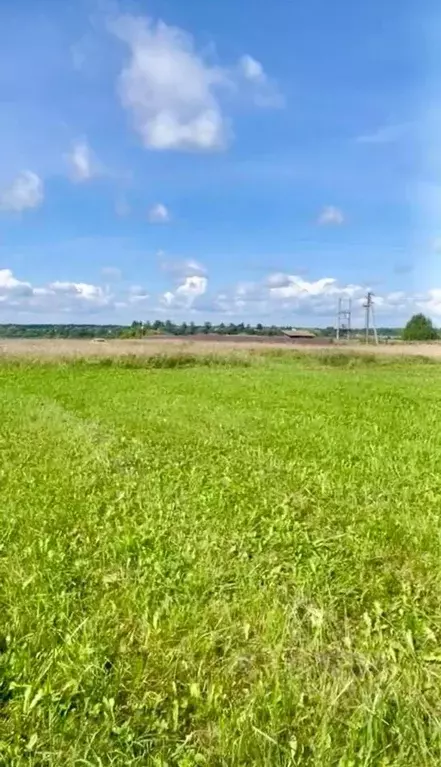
(218, 160)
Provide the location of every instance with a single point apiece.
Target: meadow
(220, 561)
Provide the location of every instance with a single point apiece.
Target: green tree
(419, 328)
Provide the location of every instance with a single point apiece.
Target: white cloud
(82, 162)
(185, 294)
(284, 294)
(62, 297)
(173, 91)
(169, 88)
(159, 214)
(26, 191)
(251, 69)
(9, 285)
(298, 288)
(265, 91)
(278, 297)
(291, 295)
(192, 287)
(278, 280)
(81, 290)
(331, 216)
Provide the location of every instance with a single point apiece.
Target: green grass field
(230, 564)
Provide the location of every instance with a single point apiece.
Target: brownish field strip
(62, 348)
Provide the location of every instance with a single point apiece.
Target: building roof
(299, 333)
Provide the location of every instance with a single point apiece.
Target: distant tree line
(61, 331)
(139, 329)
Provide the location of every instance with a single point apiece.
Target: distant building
(297, 334)
(306, 337)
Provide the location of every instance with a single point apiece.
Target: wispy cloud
(331, 216)
(122, 207)
(186, 294)
(387, 134)
(25, 191)
(82, 161)
(265, 92)
(158, 214)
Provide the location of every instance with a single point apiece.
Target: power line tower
(370, 318)
(344, 315)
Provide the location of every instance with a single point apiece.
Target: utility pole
(344, 318)
(370, 316)
(367, 306)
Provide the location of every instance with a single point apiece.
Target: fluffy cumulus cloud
(284, 292)
(297, 288)
(284, 295)
(277, 298)
(25, 191)
(186, 294)
(83, 165)
(77, 289)
(18, 296)
(173, 92)
(11, 287)
(158, 214)
(169, 88)
(331, 216)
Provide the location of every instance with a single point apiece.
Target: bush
(419, 328)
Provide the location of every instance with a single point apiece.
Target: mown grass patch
(221, 565)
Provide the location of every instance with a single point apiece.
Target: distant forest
(158, 327)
